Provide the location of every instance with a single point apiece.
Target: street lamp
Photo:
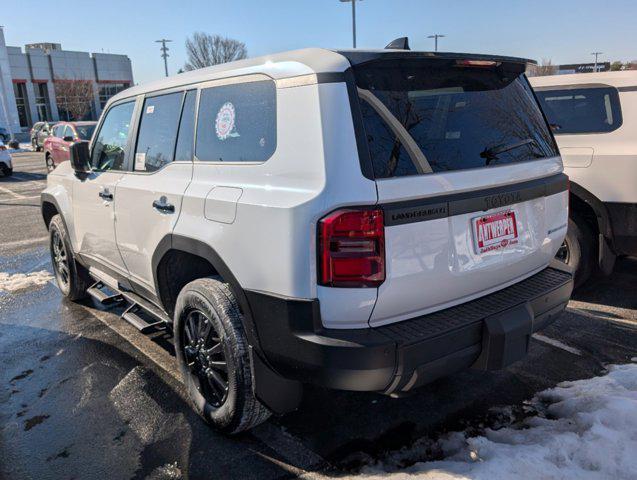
(436, 37)
(353, 19)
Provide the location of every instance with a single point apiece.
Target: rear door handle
(163, 206)
(106, 195)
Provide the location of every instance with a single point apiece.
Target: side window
(158, 132)
(581, 110)
(237, 123)
(109, 147)
(186, 136)
(68, 132)
(58, 131)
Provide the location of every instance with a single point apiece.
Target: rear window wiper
(492, 153)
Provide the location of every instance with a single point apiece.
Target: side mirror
(80, 157)
(68, 138)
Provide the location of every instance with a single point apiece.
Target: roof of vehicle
(294, 63)
(625, 78)
(79, 124)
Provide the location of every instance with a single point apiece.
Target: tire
(209, 300)
(577, 250)
(50, 166)
(7, 171)
(74, 279)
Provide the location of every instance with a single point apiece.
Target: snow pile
(21, 281)
(586, 429)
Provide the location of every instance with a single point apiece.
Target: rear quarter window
(581, 110)
(237, 123)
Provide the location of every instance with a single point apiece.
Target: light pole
(597, 54)
(353, 19)
(436, 37)
(164, 52)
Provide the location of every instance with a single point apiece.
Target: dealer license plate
(495, 231)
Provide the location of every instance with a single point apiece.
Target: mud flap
(606, 256)
(279, 394)
(505, 338)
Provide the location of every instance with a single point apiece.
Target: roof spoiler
(401, 43)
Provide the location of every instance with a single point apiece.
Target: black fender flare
(603, 218)
(197, 247)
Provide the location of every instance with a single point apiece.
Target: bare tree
(545, 67)
(205, 50)
(74, 96)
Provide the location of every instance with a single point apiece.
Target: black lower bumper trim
(488, 333)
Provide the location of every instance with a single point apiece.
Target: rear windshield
(85, 132)
(421, 118)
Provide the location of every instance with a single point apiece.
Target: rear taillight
(352, 248)
(477, 63)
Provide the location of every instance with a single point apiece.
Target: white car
(594, 119)
(6, 166)
(361, 220)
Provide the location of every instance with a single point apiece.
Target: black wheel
(577, 250)
(212, 352)
(72, 278)
(7, 171)
(50, 166)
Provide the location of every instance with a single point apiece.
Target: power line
(164, 49)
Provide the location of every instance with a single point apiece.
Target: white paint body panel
(140, 227)
(433, 264)
(611, 173)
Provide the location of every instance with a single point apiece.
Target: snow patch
(585, 429)
(20, 281)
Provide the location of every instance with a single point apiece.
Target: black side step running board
(140, 313)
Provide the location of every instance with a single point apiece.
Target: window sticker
(224, 123)
(150, 109)
(140, 161)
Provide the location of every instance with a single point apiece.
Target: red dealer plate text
(495, 231)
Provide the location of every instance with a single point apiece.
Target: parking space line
(557, 344)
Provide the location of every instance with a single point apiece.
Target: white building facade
(28, 80)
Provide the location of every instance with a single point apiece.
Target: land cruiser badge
(224, 123)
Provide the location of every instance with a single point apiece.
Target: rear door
(149, 197)
(469, 178)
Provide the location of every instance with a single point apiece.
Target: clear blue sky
(565, 31)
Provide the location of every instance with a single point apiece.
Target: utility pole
(436, 37)
(597, 54)
(164, 52)
(353, 20)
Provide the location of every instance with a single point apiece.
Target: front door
(94, 197)
(149, 198)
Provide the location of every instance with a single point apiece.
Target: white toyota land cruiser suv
(362, 220)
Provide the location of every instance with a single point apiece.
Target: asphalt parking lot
(85, 395)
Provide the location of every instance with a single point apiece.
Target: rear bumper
(487, 333)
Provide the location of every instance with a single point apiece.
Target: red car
(63, 134)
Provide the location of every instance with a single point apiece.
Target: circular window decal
(224, 123)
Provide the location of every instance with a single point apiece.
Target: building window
(107, 90)
(42, 102)
(20, 90)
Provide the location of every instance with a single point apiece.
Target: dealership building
(29, 75)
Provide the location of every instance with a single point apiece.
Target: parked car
(39, 132)
(63, 134)
(5, 136)
(5, 161)
(594, 119)
(361, 220)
